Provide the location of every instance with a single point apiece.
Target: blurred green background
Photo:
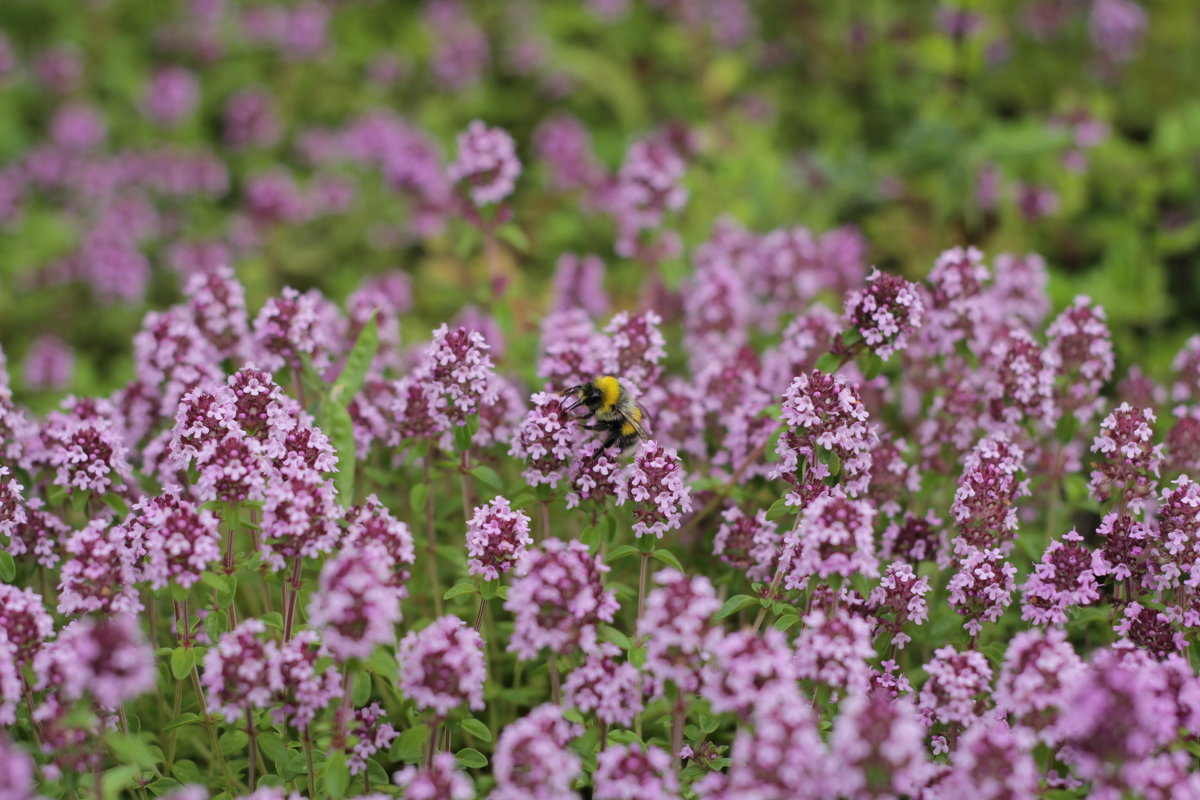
(1013, 126)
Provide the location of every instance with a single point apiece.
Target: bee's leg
(591, 413)
(611, 439)
(598, 426)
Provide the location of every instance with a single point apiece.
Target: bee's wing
(641, 427)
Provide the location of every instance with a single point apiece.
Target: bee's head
(584, 394)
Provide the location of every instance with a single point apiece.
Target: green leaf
(828, 363)
(488, 477)
(79, 500)
(1067, 427)
(471, 758)
(416, 497)
(182, 659)
(383, 663)
(360, 690)
(785, 622)
(118, 779)
(234, 741)
(411, 744)
(459, 589)
(164, 786)
(273, 746)
(186, 771)
(610, 634)
(463, 434)
(735, 604)
(622, 551)
(184, 719)
(350, 381)
(871, 365)
(779, 509)
(130, 749)
(477, 729)
(337, 775)
(8, 567)
(668, 558)
(116, 503)
(341, 434)
(56, 494)
(851, 337)
(516, 237)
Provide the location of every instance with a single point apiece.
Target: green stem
(431, 538)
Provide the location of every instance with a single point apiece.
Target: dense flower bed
(907, 530)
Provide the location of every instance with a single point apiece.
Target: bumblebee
(613, 409)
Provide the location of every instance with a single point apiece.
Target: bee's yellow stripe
(610, 391)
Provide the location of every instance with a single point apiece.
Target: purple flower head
(301, 685)
(834, 537)
(545, 439)
(742, 665)
(606, 686)
(1020, 379)
(748, 544)
(233, 470)
(356, 606)
(595, 474)
(982, 587)
(717, 309)
(564, 144)
(649, 184)
(803, 341)
(1115, 713)
(1182, 444)
(299, 517)
(1081, 349)
(414, 411)
(11, 684)
(251, 120)
(631, 772)
(579, 284)
(637, 348)
(1154, 631)
(171, 95)
(992, 762)
(1186, 370)
(497, 536)
(17, 771)
(1039, 671)
(833, 648)
(782, 754)
(1065, 577)
(1126, 548)
(900, 595)
(572, 350)
(676, 624)
(442, 666)
(1117, 28)
(461, 51)
(217, 301)
(956, 283)
(289, 327)
(89, 456)
(77, 127)
(558, 599)
(915, 539)
(458, 369)
(441, 780)
(654, 483)
(1019, 290)
(1128, 461)
(884, 312)
(958, 687)
(892, 477)
(824, 414)
(179, 538)
(172, 355)
(372, 732)
(40, 536)
(877, 744)
(1176, 550)
(49, 364)
(532, 759)
(203, 418)
(12, 503)
(371, 522)
(107, 658)
(487, 166)
(235, 671)
(989, 486)
(24, 623)
(99, 573)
